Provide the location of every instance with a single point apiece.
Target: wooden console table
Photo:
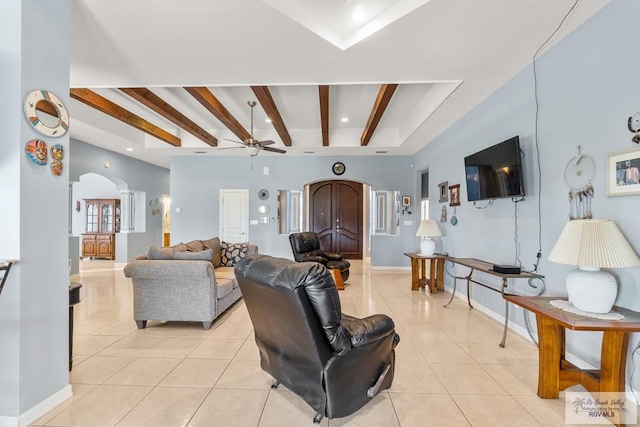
(419, 272)
(554, 372)
(486, 267)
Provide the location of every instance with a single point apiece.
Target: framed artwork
(454, 195)
(444, 196)
(406, 201)
(623, 173)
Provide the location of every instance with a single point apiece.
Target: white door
(234, 216)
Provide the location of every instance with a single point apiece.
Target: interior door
(335, 215)
(234, 215)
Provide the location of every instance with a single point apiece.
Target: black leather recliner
(306, 247)
(334, 362)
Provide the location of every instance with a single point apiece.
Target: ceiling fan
(253, 144)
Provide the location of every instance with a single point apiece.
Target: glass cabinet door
(107, 218)
(92, 218)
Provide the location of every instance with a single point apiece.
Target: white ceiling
(447, 56)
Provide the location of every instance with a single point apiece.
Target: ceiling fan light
(254, 150)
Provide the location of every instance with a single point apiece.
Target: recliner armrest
(333, 256)
(314, 258)
(367, 330)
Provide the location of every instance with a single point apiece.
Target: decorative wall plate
(56, 167)
(338, 168)
(263, 194)
(46, 113)
(36, 151)
(57, 152)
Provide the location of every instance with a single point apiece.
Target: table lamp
(428, 228)
(592, 244)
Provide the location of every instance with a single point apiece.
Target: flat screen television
(495, 172)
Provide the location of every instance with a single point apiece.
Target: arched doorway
(336, 216)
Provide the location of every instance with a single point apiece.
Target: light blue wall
(130, 174)
(588, 87)
(196, 182)
(33, 212)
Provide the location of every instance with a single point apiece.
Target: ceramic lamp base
(592, 290)
(427, 247)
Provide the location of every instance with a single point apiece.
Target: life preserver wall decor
(46, 113)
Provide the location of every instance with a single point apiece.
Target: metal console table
(486, 267)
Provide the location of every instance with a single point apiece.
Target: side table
(554, 372)
(419, 271)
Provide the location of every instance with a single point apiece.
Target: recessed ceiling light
(129, 149)
(268, 120)
(344, 119)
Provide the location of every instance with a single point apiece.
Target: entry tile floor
(449, 368)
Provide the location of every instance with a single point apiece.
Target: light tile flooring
(449, 368)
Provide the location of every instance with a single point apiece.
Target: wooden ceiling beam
(102, 104)
(382, 101)
(215, 107)
(268, 104)
(323, 92)
(157, 104)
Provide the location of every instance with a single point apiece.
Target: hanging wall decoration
(57, 152)
(578, 175)
(46, 113)
(56, 167)
(36, 151)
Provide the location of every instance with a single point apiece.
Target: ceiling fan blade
(266, 142)
(273, 150)
(233, 140)
(229, 148)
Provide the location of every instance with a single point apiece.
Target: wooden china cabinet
(102, 219)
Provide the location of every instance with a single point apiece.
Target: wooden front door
(335, 215)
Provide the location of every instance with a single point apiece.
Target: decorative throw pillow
(233, 252)
(216, 247)
(180, 247)
(193, 256)
(194, 246)
(155, 252)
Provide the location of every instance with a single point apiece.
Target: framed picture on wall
(444, 195)
(406, 201)
(454, 195)
(623, 173)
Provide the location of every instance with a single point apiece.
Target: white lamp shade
(428, 228)
(593, 243)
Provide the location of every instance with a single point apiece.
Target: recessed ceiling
(446, 56)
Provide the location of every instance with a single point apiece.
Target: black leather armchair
(334, 362)
(306, 248)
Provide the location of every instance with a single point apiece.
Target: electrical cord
(535, 137)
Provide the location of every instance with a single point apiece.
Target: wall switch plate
(264, 220)
(266, 170)
(407, 222)
(253, 222)
(178, 210)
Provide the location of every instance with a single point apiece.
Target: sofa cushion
(181, 247)
(233, 252)
(214, 244)
(225, 286)
(227, 273)
(194, 256)
(155, 252)
(194, 246)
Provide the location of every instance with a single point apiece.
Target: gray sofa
(180, 283)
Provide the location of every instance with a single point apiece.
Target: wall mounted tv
(495, 172)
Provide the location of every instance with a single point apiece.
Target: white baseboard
(39, 410)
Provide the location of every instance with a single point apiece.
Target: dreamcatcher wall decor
(578, 174)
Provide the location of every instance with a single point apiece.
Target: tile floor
(449, 368)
